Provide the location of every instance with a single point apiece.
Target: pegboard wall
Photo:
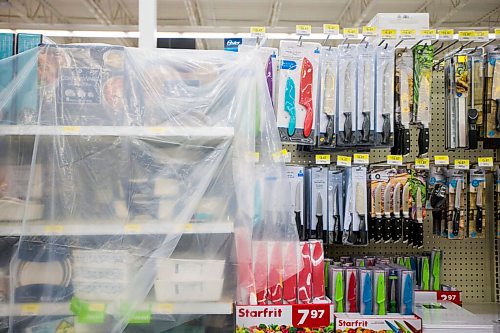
(471, 265)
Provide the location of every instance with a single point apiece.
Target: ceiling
(233, 15)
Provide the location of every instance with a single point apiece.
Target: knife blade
(378, 213)
(412, 328)
(270, 78)
(360, 210)
(381, 292)
(436, 270)
(329, 102)
(392, 327)
(367, 101)
(479, 209)
(402, 327)
(425, 273)
(297, 210)
(290, 105)
(305, 98)
(456, 209)
(319, 217)
(397, 226)
(367, 294)
(495, 94)
(393, 281)
(386, 222)
(406, 212)
(419, 231)
(348, 103)
(339, 292)
(336, 217)
(387, 86)
(408, 295)
(352, 292)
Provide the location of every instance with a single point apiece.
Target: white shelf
(63, 308)
(77, 228)
(141, 131)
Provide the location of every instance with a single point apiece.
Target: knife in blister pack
(298, 210)
(367, 295)
(406, 212)
(398, 223)
(418, 235)
(367, 108)
(360, 210)
(377, 201)
(495, 93)
(305, 97)
(404, 137)
(393, 282)
(387, 106)
(457, 209)
(352, 290)
(329, 103)
(337, 227)
(270, 78)
(319, 216)
(479, 209)
(423, 113)
(290, 105)
(348, 107)
(386, 221)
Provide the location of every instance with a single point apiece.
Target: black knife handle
(362, 231)
(419, 235)
(406, 229)
(387, 230)
(472, 116)
(423, 141)
(365, 127)
(395, 227)
(479, 219)
(299, 225)
(379, 229)
(329, 130)
(436, 222)
(371, 228)
(405, 139)
(456, 221)
(319, 227)
(411, 232)
(337, 229)
(398, 142)
(386, 128)
(445, 222)
(497, 115)
(347, 127)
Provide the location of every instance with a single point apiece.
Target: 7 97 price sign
(311, 315)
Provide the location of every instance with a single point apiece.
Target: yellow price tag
(344, 160)
(497, 33)
(441, 160)
(428, 33)
(369, 31)
(388, 33)
(257, 31)
(462, 164)
(133, 228)
(331, 29)
(164, 308)
(157, 130)
(462, 58)
(481, 35)
(323, 159)
(361, 159)
(350, 32)
(303, 29)
(278, 156)
(395, 159)
(485, 162)
(188, 227)
(71, 129)
(422, 163)
(54, 229)
(407, 33)
(466, 35)
(30, 309)
(446, 34)
(97, 307)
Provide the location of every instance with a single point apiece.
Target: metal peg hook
(326, 39)
(382, 42)
(362, 40)
(386, 44)
(488, 43)
(473, 51)
(300, 41)
(398, 43)
(445, 48)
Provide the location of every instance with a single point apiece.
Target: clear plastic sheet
(138, 182)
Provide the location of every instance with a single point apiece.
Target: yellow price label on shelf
(133, 228)
(257, 31)
(466, 35)
(446, 34)
(462, 164)
(497, 33)
(428, 33)
(188, 227)
(422, 163)
(481, 36)
(30, 309)
(344, 160)
(71, 129)
(157, 130)
(164, 308)
(331, 29)
(303, 29)
(361, 159)
(395, 159)
(408, 33)
(388, 33)
(97, 307)
(350, 32)
(441, 160)
(369, 31)
(485, 162)
(323, 159)
(54, 229)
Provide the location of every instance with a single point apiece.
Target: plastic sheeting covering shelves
(154, 143)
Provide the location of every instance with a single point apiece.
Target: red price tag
(311, 315)
(450, 296)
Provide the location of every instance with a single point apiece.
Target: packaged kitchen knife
(347, 107)
(380, 219)
(317, 194)
(295, 176)
(318, 270)
(456, 203)
(356, 207)
(365, 118)
(336, 288)
(436, 269)
(366, 291)
(384, 109)
(477, 207)
(393, 287)
(496, 204)
(407, 292)
(418, 190)
(423, 58)
(492, 128)
(351, 289)
(328, 97)
(380, 292)
(298, 91)
(476, 91)
(438, 199)
(462, 85)
(335, 206)
(403, 101)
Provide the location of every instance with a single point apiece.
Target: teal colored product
(6, 46)
(7, 70)
(26, 42)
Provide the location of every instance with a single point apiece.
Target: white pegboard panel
(468, 264)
